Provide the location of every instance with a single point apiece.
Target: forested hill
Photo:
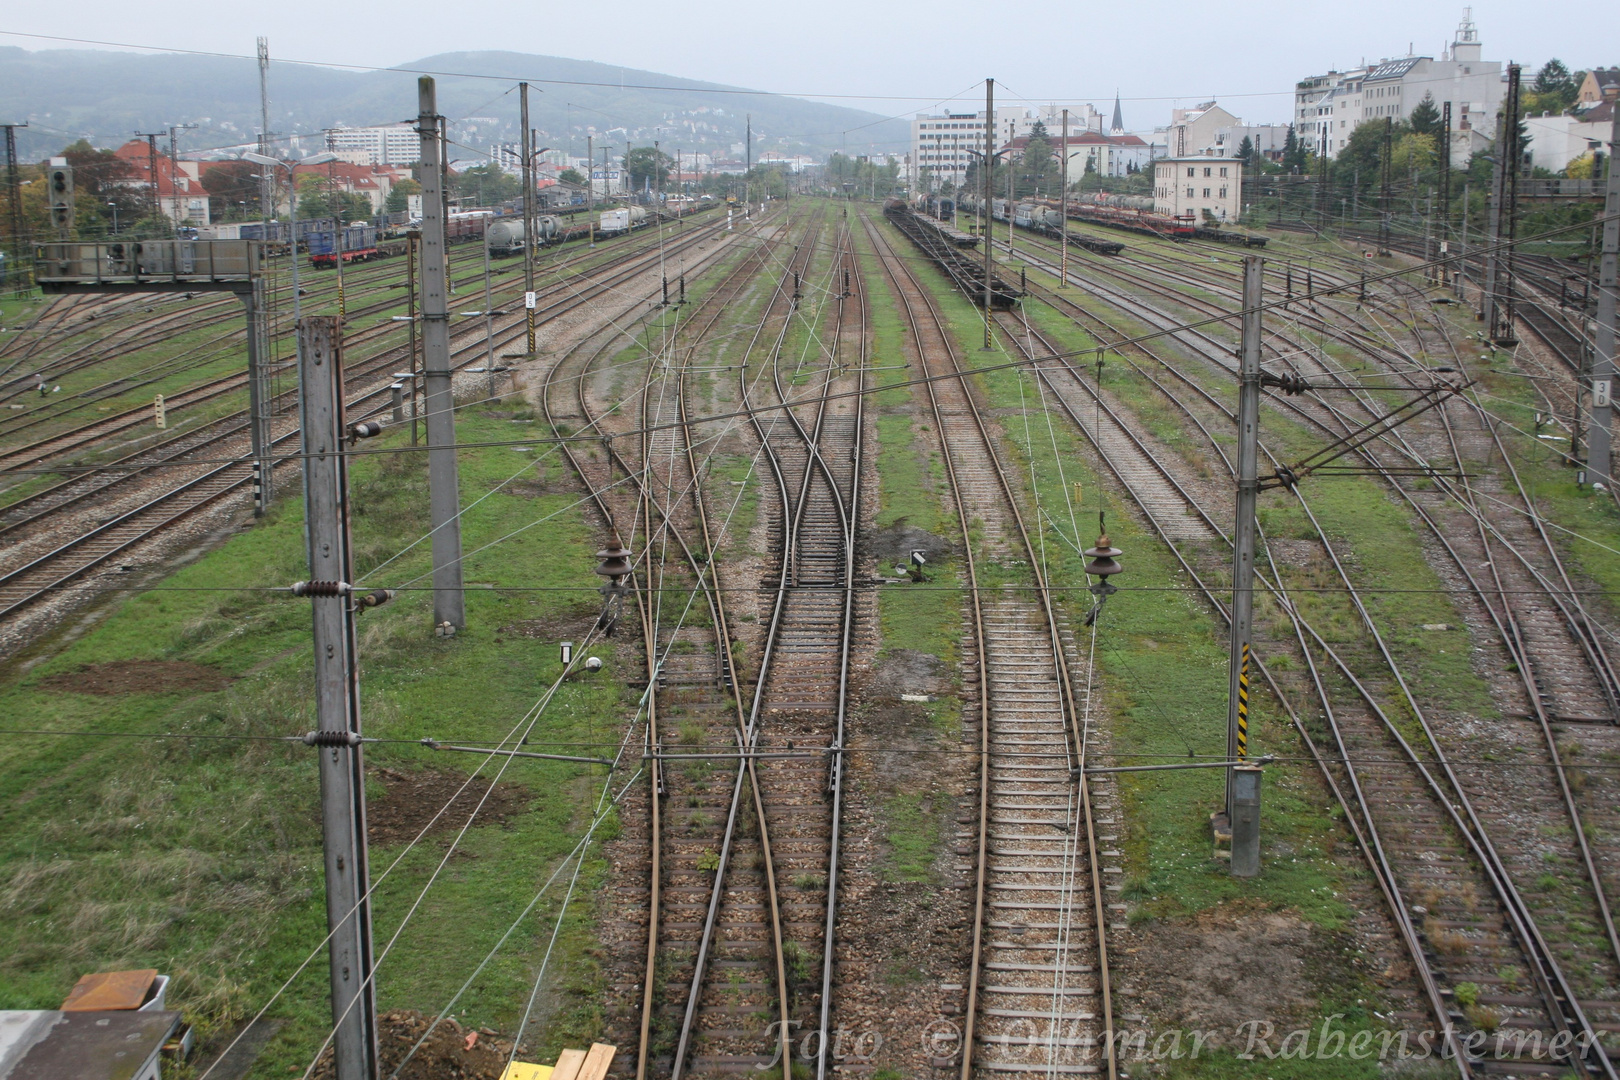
(105, 96)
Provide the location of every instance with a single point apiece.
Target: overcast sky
(891, 58)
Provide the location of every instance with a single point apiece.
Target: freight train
(359, 243)
(1041, 217)
(965, 271)
(1134, 213)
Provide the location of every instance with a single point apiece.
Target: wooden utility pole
(1603, 338)
(337, 696)
(443, 474)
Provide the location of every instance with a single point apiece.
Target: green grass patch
(202, 858)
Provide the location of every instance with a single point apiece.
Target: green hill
(105, 96)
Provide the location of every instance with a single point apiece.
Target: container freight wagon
(621, 221)
(358, 244)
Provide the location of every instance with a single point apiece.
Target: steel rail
(746, 764)
(199, 487)
(1554, 986)
(901, 276)
(618, 261)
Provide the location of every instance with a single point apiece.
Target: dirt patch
(907, 671)
(444, 1056)
(572, 627)
(898, 541)
(410, 801)
(1222, 968)
(141, 677)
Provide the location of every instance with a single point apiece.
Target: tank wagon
(506, 235)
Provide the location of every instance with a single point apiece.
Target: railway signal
(60, 185)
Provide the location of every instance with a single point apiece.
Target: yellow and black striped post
(1243, 706)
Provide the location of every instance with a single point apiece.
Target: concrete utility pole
(527, 143)
(1603, 338)
(1501, 177)
(443, 475)
(260, 348)
(1063, 199)
(1445, 176)
(1386, 168)
(1243, 533)
(260, 435)
(986, 167)
(337, 696)
(590, 186)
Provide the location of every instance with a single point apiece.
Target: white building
(607, 180)
(945, 143)
(393, 144)
(791, 162)
(1328, 108)
(1190, 187)
(1555, 141)
(1198, 131)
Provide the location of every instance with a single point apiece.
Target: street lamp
(115, 217)
(292, 208)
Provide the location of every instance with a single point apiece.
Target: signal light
(60, 185)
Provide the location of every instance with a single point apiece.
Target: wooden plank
(107, 990)
(568, 1065)
(597, 1062)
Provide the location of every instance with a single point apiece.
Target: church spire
(1118, 126)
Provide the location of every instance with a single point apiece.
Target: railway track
(694, 701)
(1450, 830)
(139, 514)
(84, 438)
(1037, 992)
